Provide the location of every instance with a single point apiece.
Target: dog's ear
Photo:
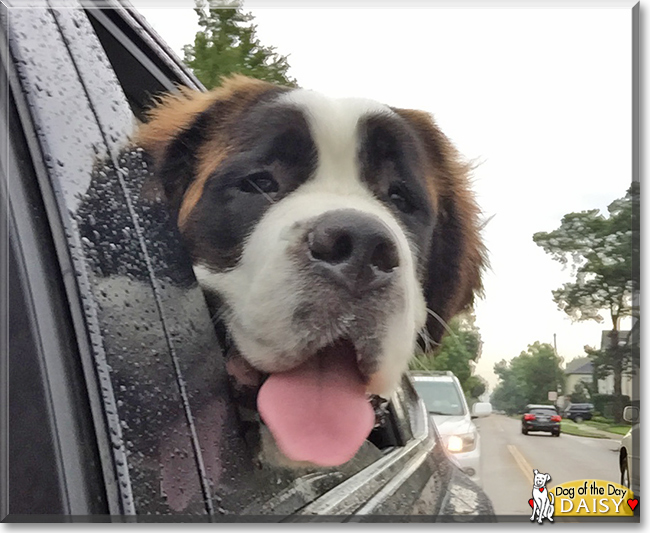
(185, 135)
(536, 471)
(457, 254)
(548, 477)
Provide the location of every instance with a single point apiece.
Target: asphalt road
(509, 457)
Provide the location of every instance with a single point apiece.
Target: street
(509, 457)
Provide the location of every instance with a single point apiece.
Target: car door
(155, 427)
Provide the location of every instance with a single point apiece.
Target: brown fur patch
(448, 182)
(175, 113)
(208, 164)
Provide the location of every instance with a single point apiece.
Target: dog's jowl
(334, 235)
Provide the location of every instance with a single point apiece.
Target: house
(580, 370)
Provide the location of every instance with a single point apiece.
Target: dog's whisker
(420, 364)
(271, 200)
(485, 222)
(442, 322)
(428, 341)
(220, 315)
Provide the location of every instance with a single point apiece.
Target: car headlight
(461, 443)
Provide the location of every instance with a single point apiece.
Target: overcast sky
(540, 98)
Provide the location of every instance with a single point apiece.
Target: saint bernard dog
(336, 235)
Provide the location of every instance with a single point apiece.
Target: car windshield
(441, 397)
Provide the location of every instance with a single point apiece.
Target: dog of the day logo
(585, 497)
(542, 502)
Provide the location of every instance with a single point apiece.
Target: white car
(629, 454)
(443, 397)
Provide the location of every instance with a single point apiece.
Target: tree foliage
(527, 378)
(579, 394)
(227, 44)
(602, 252)
(458, 352)
(599, 252)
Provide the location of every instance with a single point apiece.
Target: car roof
(432, 375)
(539, 406)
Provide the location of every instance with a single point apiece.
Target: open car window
(181, 440)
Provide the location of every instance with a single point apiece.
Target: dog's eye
(260, 183)
(401, 199)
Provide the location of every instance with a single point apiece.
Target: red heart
(633, 503)
(542, 489)
(530, 502)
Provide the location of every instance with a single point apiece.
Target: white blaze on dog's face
(326, 228)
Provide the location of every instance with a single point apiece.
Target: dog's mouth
(318, 412)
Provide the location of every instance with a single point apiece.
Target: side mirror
(481, 409)
(631, 414)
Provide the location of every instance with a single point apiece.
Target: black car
(579, 412)
(119, 404)
(541, 418)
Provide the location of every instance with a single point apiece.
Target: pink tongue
(318, 412)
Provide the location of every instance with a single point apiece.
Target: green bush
(604, 404)
(602, 419)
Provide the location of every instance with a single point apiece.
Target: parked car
(541, 418)
(579, 412)
(629, 452)
(445, 402)
(120, 402)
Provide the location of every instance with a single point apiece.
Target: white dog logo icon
(542, 502)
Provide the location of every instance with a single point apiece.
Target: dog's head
(333, 231)
(539, 479)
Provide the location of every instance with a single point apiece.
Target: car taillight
(529, 417)
(556, 418)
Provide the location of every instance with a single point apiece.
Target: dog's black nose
(353, 249)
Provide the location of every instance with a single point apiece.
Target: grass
(581, 430)
(590, 428)
(608, 426)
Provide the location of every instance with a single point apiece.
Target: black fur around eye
(401, 199)
(259, 183)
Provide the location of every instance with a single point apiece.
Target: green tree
(227, 44)
(527, 378)
(601, 252)
(579, 394)
(458, 352)
(509, 395)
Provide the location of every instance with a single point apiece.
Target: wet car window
(183, 440)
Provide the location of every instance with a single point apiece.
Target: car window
(546, 411)
(441, 397)
(183, 440)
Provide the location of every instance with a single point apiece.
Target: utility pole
(560, 396)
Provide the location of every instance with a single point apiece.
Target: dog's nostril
(385, 257)
(330, 246)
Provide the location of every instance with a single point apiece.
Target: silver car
(445, 402)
